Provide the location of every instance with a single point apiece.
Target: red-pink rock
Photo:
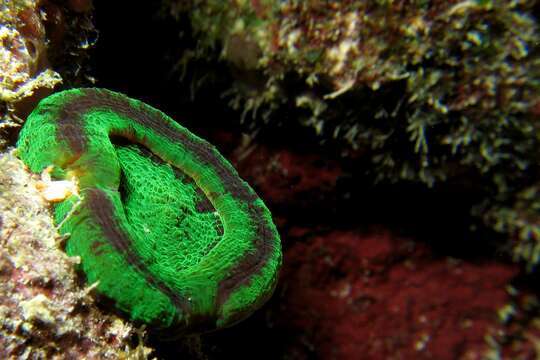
(351, 295)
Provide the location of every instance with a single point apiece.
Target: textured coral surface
(44, 311)
(171, 233)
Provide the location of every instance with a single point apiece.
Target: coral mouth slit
(173, 235)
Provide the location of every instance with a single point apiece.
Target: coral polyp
(162, 222)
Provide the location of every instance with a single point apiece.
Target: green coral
(163, 224)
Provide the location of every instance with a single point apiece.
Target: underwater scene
(263, 179)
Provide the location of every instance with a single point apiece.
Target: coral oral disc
(165, 224)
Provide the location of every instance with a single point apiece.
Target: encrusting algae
(44, 311)
(43, 43)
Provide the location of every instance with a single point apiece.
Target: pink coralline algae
(352, 295)
(44, 312)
